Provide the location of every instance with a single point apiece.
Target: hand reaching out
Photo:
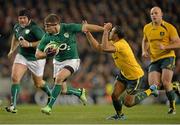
(108, 26)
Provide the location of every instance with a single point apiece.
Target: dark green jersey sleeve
(73, 27)
(42, 44)
(38, 32)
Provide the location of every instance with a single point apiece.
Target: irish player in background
(67, 61)
(26, 37)
(131, 74)
(159, 41)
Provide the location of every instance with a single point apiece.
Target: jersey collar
(162, 23)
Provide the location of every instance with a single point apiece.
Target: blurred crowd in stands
(97, 71)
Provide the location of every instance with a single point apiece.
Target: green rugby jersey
(66, 39)
(31, 33)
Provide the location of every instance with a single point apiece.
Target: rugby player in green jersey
(26, 35)
(67, 61)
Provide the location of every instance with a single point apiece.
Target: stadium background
(97, 71)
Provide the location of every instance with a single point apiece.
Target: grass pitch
(91, 114)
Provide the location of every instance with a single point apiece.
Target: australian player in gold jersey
(131, 73)
(160, 38)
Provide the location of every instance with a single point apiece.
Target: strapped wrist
(30, 44)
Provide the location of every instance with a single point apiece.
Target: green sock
(171, 97)
(118, 105)
(46, 89)
(139, 97)
(15, 88)
(55, 92)
(73, 91)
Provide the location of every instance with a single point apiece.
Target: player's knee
(63, 92)
(129, 101)
(128, 104)
(60, 80)
(15, 79)
(166, 80)
(114, 96)
(38, 83)
(167, 85)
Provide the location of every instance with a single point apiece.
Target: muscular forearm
(105, 42)
(93, 42)
(14, 44)
(145, 46)
(92, 28)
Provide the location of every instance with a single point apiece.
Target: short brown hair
(52, 18)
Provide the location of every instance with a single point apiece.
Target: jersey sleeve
(38, 32)
(144, 32)
(173, 32)
(42, 44)
(73, 27)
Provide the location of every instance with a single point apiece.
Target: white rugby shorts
(36, 67)
(58, 66)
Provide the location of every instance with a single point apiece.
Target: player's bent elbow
(37, 56)
(40, 55)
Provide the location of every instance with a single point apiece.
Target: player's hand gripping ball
(51, 49)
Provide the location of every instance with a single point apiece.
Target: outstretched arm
(92, 28)
(93, 42)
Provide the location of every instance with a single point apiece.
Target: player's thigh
(154, 77)
(167, 78)
(19, 68)
(37, 67)
(18, 71)
(62, 70)
(133, 87)
(154, 73)
(62, 75)
(38, 80)
(119, 88)
(168, 65)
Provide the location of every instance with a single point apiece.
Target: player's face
(111, 34)
(23, 20)
(156, 15)
(51, 28)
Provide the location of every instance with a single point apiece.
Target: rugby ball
(52, 49)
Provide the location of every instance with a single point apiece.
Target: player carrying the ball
(66, 61)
